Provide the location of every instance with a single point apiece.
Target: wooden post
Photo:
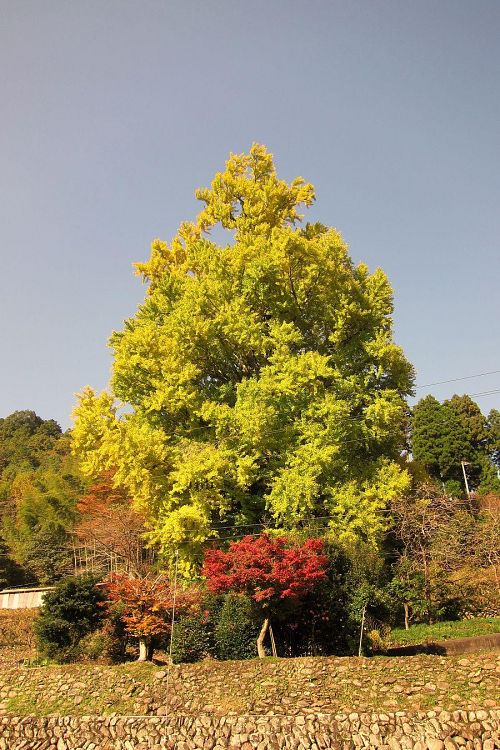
(361, 631)
(273, 643)
(171, 632)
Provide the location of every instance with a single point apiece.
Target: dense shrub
(236, 631)
(70, 611)
(94, 646)
(107, 644)
(192, 639)
(117, 640)
(322, 623)
(16, 628)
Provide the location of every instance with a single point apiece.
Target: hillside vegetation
(254, 463)
(441, 631)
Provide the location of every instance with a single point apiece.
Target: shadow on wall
(446, 648)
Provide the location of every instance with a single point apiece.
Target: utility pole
(464, 463)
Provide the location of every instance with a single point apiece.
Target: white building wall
(22, 598)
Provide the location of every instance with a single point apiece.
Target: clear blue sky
(113, 112)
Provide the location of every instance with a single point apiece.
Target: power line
(267, 527)
(485, 393)
(455, 380)
(267, 433)
(237, 537)
(361, 417)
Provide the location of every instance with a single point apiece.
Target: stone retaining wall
(316, 685)
(457, 730)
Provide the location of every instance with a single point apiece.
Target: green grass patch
(142, 671)
(442, 631)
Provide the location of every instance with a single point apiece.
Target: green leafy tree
(490, 473)
(41, 512)
(236, 629)
(475, 426)
(472, 419)
(444, 435)
(261, 376)
(426, 434)
(25, 438)
(439, 440)
(69, 612)
(494, 435)
(407, 589)
(489, 481)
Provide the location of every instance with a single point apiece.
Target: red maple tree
(269, 570)
(146, 606)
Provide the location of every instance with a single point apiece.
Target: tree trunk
(260, 640)
(145, 651)
(407, 626)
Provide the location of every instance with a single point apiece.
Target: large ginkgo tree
(259, 382)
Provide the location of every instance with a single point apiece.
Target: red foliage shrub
(267, 569)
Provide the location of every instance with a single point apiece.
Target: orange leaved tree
(146, 606)
(110, 529)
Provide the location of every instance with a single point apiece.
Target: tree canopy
(25, 438)
(444, 435)
(111, 529)
(145, 605)
(260, 377)
(40, 483)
